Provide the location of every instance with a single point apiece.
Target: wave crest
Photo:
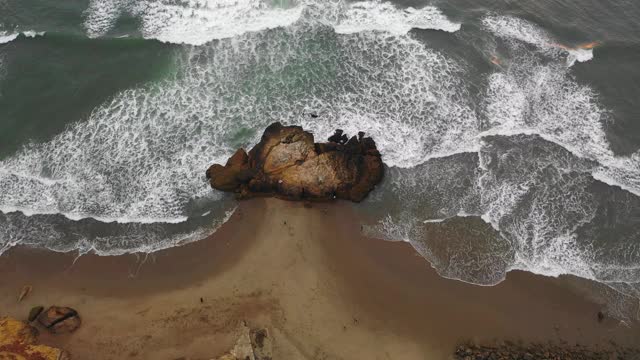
(198, 22)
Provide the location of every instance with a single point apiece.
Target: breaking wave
(376, 15)
(513, 28)
(139, 158)
(199, 21)
(547, 192)
(8, 37)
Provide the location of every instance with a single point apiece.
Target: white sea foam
(440, 220)
(8, 37)
(532, 97)
(143, 242)
(101, 16)
(384, 16)
(5, 37)
(46, 231)
(515, 28)
(534, 181)
(199, 21)
(192, 21)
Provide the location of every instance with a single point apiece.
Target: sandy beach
(307, 274)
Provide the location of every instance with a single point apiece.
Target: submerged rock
(287, 163)
(18, 341)
(60, 320)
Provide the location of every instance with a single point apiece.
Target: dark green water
(513, 124)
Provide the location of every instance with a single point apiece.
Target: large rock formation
(287, 163)
(18, 340)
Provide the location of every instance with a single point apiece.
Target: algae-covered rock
(18, 342)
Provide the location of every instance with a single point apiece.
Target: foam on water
(89, 236)
(6, 37)
(534, 97)
(101, 16)
(542, 154)
(384, 16)
(518, 29)
(199, 21)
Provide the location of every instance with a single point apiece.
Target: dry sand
(307, 274)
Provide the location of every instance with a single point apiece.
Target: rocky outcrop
(287, 163)
(18, 340)
(60, 320)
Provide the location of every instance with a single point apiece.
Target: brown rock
(287, 163)
(233, 174)
(18, 341)
(35, 311)
(60, 320)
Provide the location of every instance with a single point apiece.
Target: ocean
(511, 129)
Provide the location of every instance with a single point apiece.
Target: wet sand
(307, 274)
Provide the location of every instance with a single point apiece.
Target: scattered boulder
(287, 163)
(60, 320)
(18, 340)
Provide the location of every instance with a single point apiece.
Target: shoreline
(309, 276)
